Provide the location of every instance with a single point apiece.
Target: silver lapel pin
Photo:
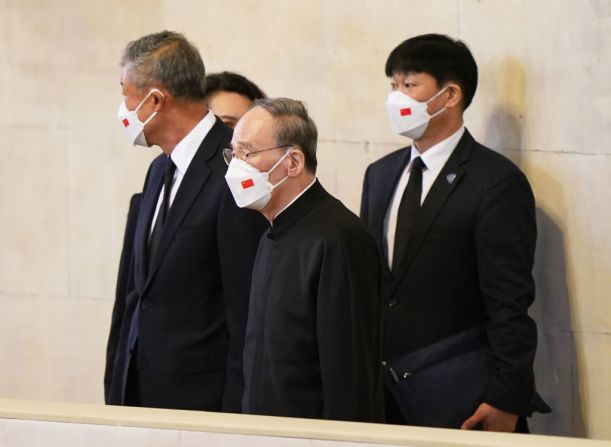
(450, 178)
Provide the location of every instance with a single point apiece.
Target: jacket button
(393, 302)
(144, 304)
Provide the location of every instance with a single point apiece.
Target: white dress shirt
(182, 155)
(434, 160)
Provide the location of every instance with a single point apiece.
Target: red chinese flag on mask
(405, 112)
(125, 122)
(248, 184)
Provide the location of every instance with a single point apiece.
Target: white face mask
(409, 117)
(134, 128)
(250, 187)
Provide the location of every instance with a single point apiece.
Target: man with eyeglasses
(313, 341)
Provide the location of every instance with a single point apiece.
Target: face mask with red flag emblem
(134, 128)
(409, 117)
(250, 187)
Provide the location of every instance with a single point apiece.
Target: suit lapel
(384, 196)
(447, 180)
(192, 183)
(145, 215)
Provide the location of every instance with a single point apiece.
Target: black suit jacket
(125, 281)
(313, 344)
(193, 302)
(468, 263)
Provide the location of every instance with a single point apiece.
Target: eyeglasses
(229, 154)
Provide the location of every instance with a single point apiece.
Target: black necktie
(408, 210)
(168, 179)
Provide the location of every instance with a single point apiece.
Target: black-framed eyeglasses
(229, 154)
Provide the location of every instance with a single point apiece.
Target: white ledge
(273, 426)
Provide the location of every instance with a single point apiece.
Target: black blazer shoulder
(393, 161)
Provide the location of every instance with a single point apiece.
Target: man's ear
(159, 97)
(296, 162)
(454, 95)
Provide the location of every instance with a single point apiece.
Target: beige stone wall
(67, 173)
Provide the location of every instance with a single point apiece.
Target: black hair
(227, 81)
(440, 56)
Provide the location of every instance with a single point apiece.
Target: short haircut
(169, 60)
(227, 81)
(440, 56)
(293, 126)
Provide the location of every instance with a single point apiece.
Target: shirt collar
(185, 150)
(295, 199)
(436, 156)
(309, 198)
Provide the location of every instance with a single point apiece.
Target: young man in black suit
(455, 225)
(181, 331)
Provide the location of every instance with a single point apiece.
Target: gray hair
(169, 60)
(293, 126)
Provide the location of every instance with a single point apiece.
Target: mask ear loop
(437, 94)
(286, 154)
(274, 167)
(142, 102)
(443, 109)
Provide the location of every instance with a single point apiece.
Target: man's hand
(491, 419)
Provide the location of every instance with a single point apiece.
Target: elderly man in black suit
(177, 339)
